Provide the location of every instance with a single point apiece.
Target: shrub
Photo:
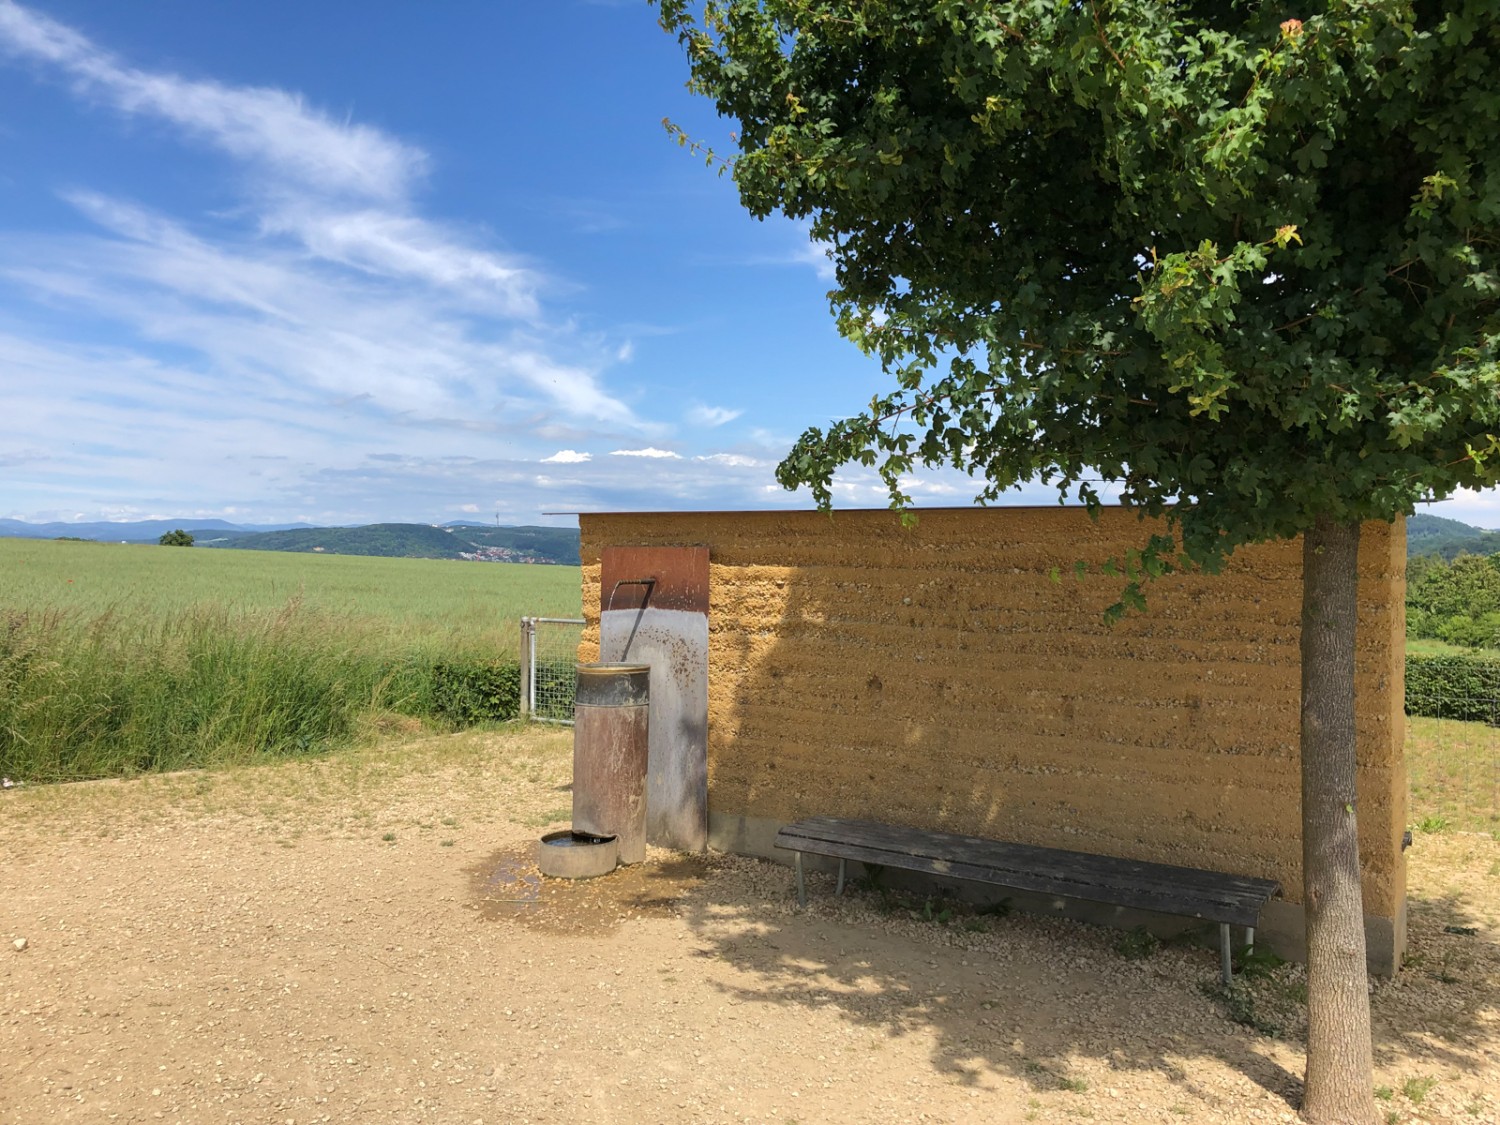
(476, 691)
(1454, 687)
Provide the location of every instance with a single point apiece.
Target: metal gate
(549, 660)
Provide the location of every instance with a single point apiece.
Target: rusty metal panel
(610, 746)
(654, 610)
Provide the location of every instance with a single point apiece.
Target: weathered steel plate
(610, 746)
(654, 610)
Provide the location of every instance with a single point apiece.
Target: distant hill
(484, 542)
(1434, 535)
(391, 540)
(420, 541)
(132, 531)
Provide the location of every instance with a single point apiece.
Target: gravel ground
(364, 939)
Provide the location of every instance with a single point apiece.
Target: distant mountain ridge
(475, 542)
(1436, 535)
(482, 542)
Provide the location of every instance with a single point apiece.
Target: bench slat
(1025, 857)
(1185, 891)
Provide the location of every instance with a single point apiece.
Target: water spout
(650, 584)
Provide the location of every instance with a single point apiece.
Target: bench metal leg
(801, 887)
(840, 888)
(1250, 939)
(1225, 961)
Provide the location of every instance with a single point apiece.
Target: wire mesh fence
(549, 675)
(1453, 741)
(1454, 765)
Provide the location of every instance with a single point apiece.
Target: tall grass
(114, 694)
(116, 660)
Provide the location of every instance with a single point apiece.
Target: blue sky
(343, 262)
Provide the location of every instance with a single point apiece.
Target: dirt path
(362, 940)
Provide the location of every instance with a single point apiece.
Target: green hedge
(476, 691)
(1454, 687)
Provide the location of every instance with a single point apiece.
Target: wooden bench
(1229, 900)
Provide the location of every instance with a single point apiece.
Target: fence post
(528, 668)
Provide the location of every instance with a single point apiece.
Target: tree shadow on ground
(1049, 1002)
(1439, 1010)
(1073, 1010)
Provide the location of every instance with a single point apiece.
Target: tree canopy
(176, 538)
(1238, 261)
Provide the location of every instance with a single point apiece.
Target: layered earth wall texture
(940, 676)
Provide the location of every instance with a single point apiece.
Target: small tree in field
(1240, 258)
(176, 538)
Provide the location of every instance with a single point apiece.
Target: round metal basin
(577, 855)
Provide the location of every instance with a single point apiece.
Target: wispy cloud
(302, 353)
(815, 254)
(386, 244)
(711, 416)
(267, 126)
(329, 277)
(808, 252)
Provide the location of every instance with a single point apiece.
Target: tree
(1458, 602)
(1241, 259)
(1468, 586)
(176, 538)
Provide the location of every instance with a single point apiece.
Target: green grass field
(419, 597)
(116, 659)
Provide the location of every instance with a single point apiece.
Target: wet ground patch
(508, 885)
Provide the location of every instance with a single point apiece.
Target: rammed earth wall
(938, 676)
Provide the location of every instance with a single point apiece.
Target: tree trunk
(1340, 1074)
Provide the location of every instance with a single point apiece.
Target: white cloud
(700, 415)
(733, 460)
(812, 253)
(933, 486)
(647, 452)
(568, 457)
(808, 252)
(468, 507)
